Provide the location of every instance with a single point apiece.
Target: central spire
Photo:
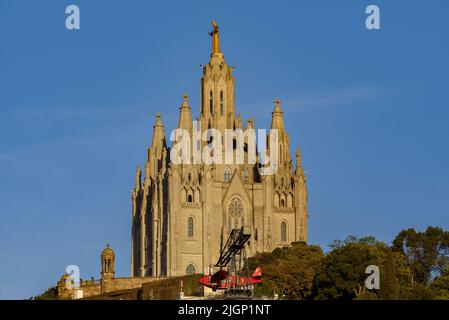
(217, 89)
(215, 38)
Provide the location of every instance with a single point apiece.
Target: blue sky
(369, 110)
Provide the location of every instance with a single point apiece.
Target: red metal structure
(233, 263)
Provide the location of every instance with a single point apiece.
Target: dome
(63, 280)
(108, 251)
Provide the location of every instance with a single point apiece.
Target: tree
(440, 286)
(427, 252)
(342, 274)
(403, 274)
(353, 239)
(288, 271)
(407, 268)
(389, 287)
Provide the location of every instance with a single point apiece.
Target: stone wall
(125, 283)
(152, 289)
(92, 288)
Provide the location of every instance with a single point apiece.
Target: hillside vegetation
(415, 266)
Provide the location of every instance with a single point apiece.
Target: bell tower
(107, 263)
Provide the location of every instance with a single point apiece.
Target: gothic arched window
(189, 198)
(283, 231)
(221, 103)
(227, 174)
(190, 269)
(211, 102)
(283, 200)
(190, 227)
(236, 213)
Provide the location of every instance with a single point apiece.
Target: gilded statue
(215, 38)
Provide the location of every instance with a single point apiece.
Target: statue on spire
(277, 105)
(185, 101)
(158, 120)
(215, 38)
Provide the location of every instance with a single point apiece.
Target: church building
(182, 214)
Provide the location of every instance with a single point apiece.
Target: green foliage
(417, 291)
(440, 286)
(288, 271)
(342, 274)
(367, 295)
(352, 239)
(49, 294)
(415, 267)
(389, 283)
(427, 252)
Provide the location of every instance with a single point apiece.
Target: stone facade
(183, 213)
(107, 283)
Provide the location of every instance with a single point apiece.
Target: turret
(157, 152)
(107, 263)
(277, 122)
(185, 118)
(158, 132)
